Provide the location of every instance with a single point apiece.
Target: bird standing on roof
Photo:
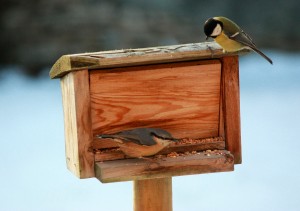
(141, 142)
(230, 36)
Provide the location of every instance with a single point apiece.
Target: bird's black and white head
(213, 28)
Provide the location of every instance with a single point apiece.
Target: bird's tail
(106, 136)
(262, 54)
(113, 137)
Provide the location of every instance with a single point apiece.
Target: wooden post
(153, 194)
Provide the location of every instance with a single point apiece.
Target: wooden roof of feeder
(134, 57)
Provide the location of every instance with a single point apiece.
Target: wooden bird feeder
(190, 90)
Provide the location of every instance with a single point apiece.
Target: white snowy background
(33, 174)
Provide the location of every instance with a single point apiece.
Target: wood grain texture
(141, 56)
(137, 169)
(231, 106)
(153, 194)
(182, 98)
(77, 121)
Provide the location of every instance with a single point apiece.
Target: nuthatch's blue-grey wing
(146, 135)
(120, 138)
(142, 136)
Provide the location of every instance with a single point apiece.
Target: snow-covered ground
(33, 174)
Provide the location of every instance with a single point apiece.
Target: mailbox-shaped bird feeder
(190, 90)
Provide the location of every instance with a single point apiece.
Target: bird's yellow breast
(228, 44)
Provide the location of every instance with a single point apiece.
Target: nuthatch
(141, 142)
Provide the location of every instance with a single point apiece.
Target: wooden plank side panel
(182, 98)
(77, 121)
(231, 106)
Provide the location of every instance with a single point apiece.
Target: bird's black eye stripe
(157, 136)
(154, 134)
(163, 138)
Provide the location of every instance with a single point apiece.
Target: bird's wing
(245, 39)
(139, 136)
(144, 136)
(158, 133)
(120, 138)
(234, 32)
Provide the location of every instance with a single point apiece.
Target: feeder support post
(153, 194)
